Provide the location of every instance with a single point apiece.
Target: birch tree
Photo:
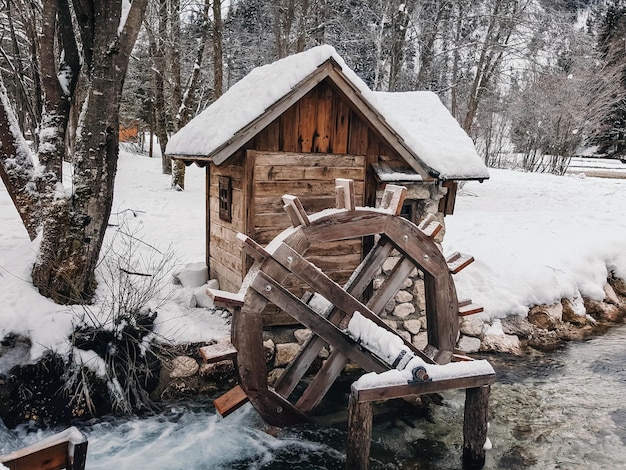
(91, 40)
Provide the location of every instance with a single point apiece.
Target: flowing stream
(562, 410)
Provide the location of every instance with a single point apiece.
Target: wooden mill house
(292, 127)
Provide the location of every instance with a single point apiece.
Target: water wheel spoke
(322, 382)
(330, 290)
(282, 298)
(333, 366)
(355, 286)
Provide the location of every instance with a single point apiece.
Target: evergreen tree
(611, 136)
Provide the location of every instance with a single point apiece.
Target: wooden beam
(470, 309)
(225, 299)
(329, 289)
(252, 248)
(422, 388)
(344, 189)
(430, 226)
(282, 298)
(230, 401)
(393, 199)
(67, 449)
(219, 351)
(322, 382)
(345, 226)
(295, 211)
(457, 262)
(356, 285)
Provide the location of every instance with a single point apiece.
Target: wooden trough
(330, 308)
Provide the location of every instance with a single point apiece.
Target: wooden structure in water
(65, 450)
(331, 308)
(325, 125)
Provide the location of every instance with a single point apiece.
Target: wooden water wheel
(285, 256)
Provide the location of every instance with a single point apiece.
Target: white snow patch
(126, 6)
(90, 360)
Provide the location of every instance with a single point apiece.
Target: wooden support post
(359, 433)
(344, 189)
(295, 211)
(475, 426)
(393, 198)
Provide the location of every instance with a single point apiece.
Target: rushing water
(563, 410)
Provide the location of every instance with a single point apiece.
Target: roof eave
(479, 178)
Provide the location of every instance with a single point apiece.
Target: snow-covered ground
(536, 238)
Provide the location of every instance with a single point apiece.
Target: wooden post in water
(359, 433)
(475, 427)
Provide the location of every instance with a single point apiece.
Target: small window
(226, 198)
(409, 210)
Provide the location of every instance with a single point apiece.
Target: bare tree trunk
(454, 104)
(501, 26)
(400, 24)
(284, 15)
(16, 168)
(432, 16)
(158, 56)
(189, 96)
(302, 21)
(178, 167)
(218, 56)
(73, 226)
(186, 99)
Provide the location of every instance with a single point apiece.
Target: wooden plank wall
(226, 262)
(311, 177)
(322, 122)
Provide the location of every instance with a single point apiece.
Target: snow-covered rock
(201, 295)
(469, 344)
(610, 295)
(192, 275)
(547, 317)
(472, 325)
(501, 343)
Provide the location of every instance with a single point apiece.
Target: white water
(565, 410)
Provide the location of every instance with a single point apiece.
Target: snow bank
(537, 238)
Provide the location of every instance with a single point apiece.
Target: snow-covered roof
(430, 138)
(432, 133)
